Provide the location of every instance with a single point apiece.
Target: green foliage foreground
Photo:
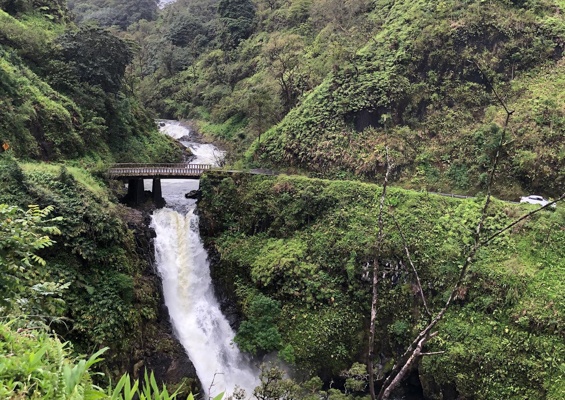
(91, 284)
(308, 244)
(22, 234)
(36, 365)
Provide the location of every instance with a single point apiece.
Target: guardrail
(456, 196)
(161, 165)
(460, 196)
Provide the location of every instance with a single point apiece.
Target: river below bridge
(182, 263)
(173, 190)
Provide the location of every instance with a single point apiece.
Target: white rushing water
(195, 313)
(164, 3)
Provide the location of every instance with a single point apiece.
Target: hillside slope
(421, 86)
(65, 112)
(295, 255)
(322, 86)
(61, 92)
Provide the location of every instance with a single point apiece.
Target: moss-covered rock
(309, 244)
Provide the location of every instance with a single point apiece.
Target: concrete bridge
(158, 171)
(136, 173)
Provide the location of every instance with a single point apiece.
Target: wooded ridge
(317, 266)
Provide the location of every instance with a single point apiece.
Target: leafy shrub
(36, 365)
(23, 234)
(259, 332)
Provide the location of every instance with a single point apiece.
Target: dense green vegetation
(37, 365)
(300, 250)
(62, 93)
(418, 86)
(71, 262)
(93, 256)
(320, 86)
(113, 13)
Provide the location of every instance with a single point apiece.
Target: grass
(80, 174)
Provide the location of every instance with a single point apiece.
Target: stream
(182, 263)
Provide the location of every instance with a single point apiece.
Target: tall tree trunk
(376, 270)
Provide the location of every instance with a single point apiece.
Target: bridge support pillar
(136, 194)
(158, 199)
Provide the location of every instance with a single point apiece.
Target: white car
(535, 199)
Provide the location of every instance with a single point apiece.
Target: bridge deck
(162, 171)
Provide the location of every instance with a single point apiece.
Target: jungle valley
(347, 266)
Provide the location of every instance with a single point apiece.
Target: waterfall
(182, 263)
(195, 313)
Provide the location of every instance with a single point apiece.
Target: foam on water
(183, 265)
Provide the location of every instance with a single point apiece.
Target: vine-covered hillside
(62, 90)
(295, 254)
(426, 86)
(322, 86)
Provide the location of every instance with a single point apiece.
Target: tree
(259, 333)
(282, 54)
(121, 13)
(97, 56)
(186, 29)
(52, 9)
(237, 17)
(262, 108)
(275, 386)
(342, 15)
(135, 10)
(375, 282)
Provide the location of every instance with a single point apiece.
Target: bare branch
(491, 86)
(212, 384)
(412, 265)
(432, 353)
(415, 356)
(398, 371)
(374, 301)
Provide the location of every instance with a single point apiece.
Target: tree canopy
(97, 56)
(237, 18)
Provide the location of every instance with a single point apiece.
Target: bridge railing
(132, 170)
(162, 165)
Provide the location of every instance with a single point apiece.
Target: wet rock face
(224, 290)
(434, 391)
(194, 194)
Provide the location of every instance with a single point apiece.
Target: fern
(59, 392)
